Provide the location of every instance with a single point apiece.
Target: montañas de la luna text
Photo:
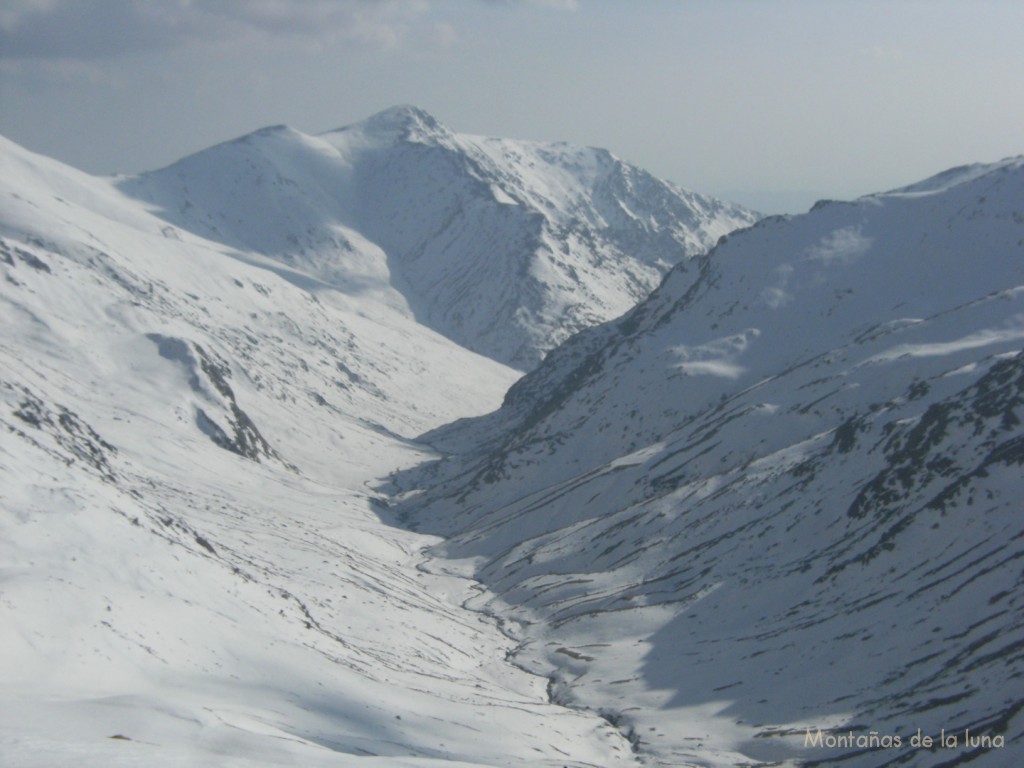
(876, 740)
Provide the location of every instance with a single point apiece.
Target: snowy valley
(781, 497)
(275, 490)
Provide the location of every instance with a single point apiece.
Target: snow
(195, 567)
(260, 506)
(782, 493)
(506, 247)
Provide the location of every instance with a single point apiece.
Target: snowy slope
(784, 493)
(507, 247)
(193, 570)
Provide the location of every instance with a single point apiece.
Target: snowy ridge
(507, 247)
(950, 178)
(781, 494)
(193, 570)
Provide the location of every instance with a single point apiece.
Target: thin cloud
(564, 5)
(888, 54)
(96, 29)
(446, 35)
(567, 5)
(15, 11)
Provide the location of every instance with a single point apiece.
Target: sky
(773, 103)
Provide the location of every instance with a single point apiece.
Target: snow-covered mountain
(506, 247)
(193, 569)
(780, 495)
(783, 494)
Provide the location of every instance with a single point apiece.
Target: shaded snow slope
(192, 567)
(783, 493)
(507, 247)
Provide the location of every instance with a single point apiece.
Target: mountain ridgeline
(780, 496)
(506, 247)
(274, 489)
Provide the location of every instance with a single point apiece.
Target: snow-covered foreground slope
(192, 567)
(507, 247)
(781, 495)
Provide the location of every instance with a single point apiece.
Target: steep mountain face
(781, 495)
(193, 570)
(506, 247)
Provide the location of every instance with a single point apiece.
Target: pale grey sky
(773, 104)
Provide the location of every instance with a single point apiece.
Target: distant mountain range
(506, 247)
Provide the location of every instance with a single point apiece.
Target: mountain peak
(482, 234)
(403, 114)
(405, 121)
